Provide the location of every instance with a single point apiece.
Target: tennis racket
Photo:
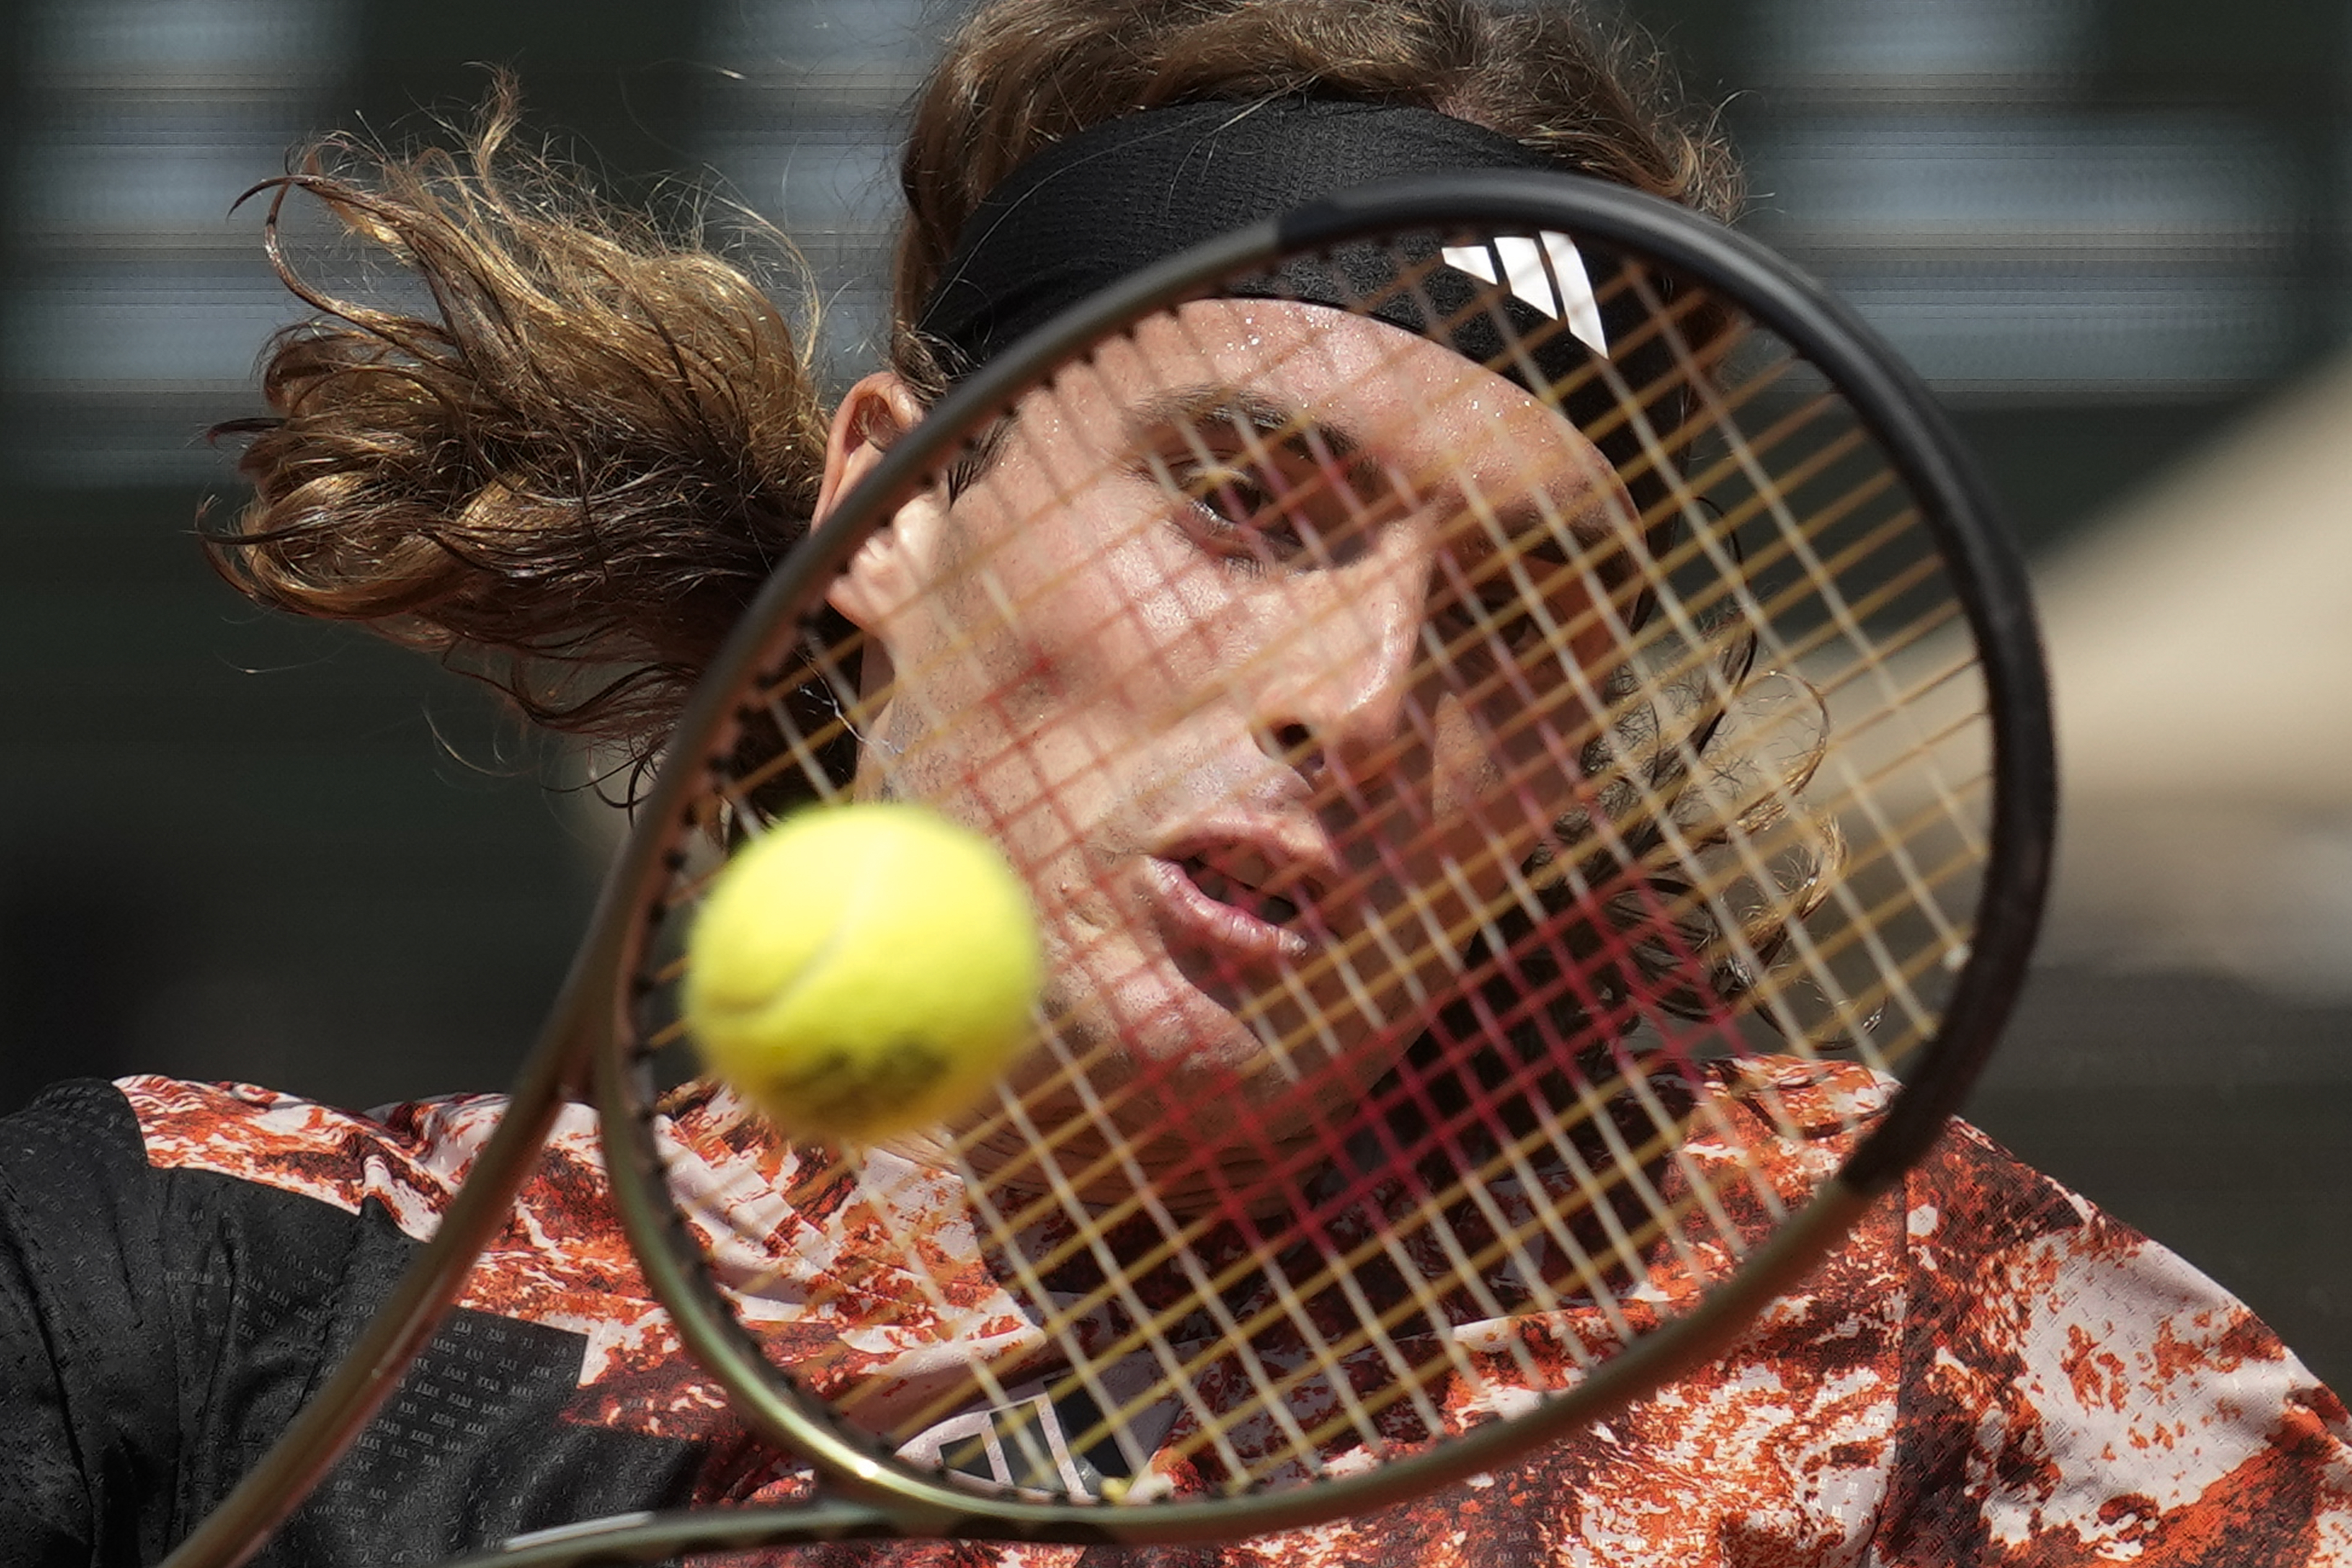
(1532, 759)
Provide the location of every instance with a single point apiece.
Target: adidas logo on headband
(1545, 271)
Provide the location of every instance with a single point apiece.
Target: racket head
(1537, 790)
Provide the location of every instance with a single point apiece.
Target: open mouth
(1246, 897)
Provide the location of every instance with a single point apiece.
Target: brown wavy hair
(569, 475)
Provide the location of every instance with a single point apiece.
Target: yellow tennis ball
(863, 970)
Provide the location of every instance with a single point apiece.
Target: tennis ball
(863, 970)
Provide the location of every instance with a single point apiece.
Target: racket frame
(1891, 402)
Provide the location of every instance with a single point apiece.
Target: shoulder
(80, 1218)
(165, 1204)
(89, 1361)
(2053, 1386)
(81, 1214)
(2071, 1382)
(409, 1158)
(79, 1122)
(152, 1233)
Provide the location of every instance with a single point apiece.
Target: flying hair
(569, 475)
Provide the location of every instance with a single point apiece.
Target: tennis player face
(1228, 646)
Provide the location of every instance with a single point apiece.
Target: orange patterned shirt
(1988, 1371)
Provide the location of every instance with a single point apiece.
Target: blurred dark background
(2114, 234)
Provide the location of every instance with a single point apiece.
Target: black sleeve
(88, 1361)
(160, 1327)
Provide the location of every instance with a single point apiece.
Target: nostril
(1296, 744)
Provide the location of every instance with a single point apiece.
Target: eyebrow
(1295, 431)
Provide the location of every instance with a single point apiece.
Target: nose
(1338, 686)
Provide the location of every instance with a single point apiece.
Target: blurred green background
(2114, 233)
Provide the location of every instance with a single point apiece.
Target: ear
(890, 564)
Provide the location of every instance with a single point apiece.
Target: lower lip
(1220, 926)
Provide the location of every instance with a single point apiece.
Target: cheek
(1118, 622)
(1468, 775)
(1502, 775)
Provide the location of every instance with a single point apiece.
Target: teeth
(1249, 867)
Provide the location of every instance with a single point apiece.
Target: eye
(1236, 496)
(1236, 510)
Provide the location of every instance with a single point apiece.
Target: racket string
(1692, 861)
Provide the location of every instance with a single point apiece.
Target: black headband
(1101, 205)
(1114, 198)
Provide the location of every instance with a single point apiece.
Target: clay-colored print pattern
(1988, 1371)
(817, 1244)
(2075, 1393)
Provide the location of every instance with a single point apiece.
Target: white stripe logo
(1546, 271)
